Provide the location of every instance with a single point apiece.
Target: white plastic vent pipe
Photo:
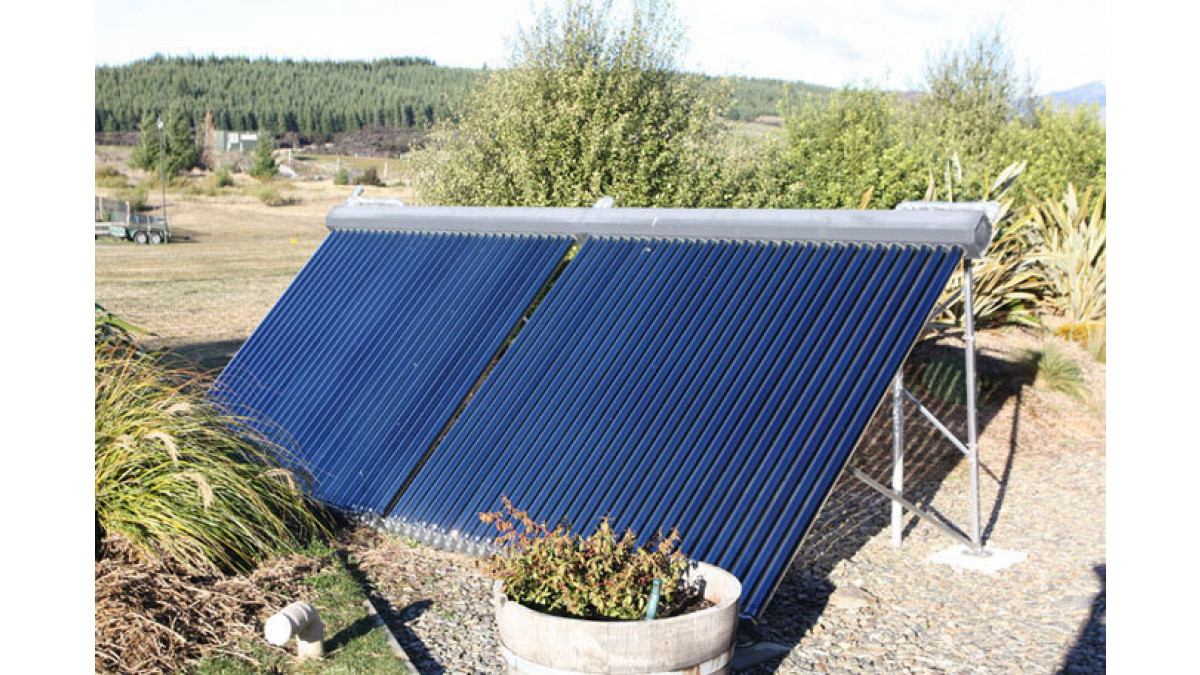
(301, 620)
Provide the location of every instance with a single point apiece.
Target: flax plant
(179, 478)
(1071, 236)
(1006, 282)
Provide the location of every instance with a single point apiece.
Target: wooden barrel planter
(696, 643)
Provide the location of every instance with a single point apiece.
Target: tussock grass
(107, 176)
(1091, 335)
(271, 195)
(180, 478)
(222, 177)
(204, 188)
(210, 185)
(1053, 370)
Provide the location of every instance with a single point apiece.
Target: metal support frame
(972, 431)
(897, 457)
(970, 449)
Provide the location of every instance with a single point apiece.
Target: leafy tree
(264, 167)
(178, 141)
(182, 152)
(972, 93)
(590, 106)
(146, 153)
(847, 147)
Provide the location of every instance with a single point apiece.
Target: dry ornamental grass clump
(182, 479)
(184, 494)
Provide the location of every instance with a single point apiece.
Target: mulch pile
(155, 617)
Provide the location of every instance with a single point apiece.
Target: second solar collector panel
(716, 386)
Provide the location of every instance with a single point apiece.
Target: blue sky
(820, 41)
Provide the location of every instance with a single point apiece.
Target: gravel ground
(851, 603)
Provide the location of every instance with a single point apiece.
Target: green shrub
(1063, 146)
(749, 174)
(222, 177)
(211, 186)
(370, 176)
(599, 577)
(152, 183)
(843, 145)
(974, 94)
(342, 177)
(178, 477)
(136, 196)
(205, 187)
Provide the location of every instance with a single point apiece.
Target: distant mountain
(1092, 92)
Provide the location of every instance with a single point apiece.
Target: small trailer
(116, 219)
(142, 230)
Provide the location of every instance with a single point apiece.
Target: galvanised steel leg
(898, 455)
(972, 437)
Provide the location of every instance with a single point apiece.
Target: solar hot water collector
(710, 370)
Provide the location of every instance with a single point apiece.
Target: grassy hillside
(755, 96)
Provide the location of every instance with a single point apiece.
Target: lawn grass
(353, 641)
(205, 294)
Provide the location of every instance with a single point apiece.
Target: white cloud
(822, 41)
(887, 41)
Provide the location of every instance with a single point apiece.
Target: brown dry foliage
(157, 617)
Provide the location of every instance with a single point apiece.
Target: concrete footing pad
(991, 561)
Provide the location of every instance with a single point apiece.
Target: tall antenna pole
(162, 169)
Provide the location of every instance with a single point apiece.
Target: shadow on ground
(206, 357)
(395, 620)
(350, 633)
(1089, 654)
(854, 513)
